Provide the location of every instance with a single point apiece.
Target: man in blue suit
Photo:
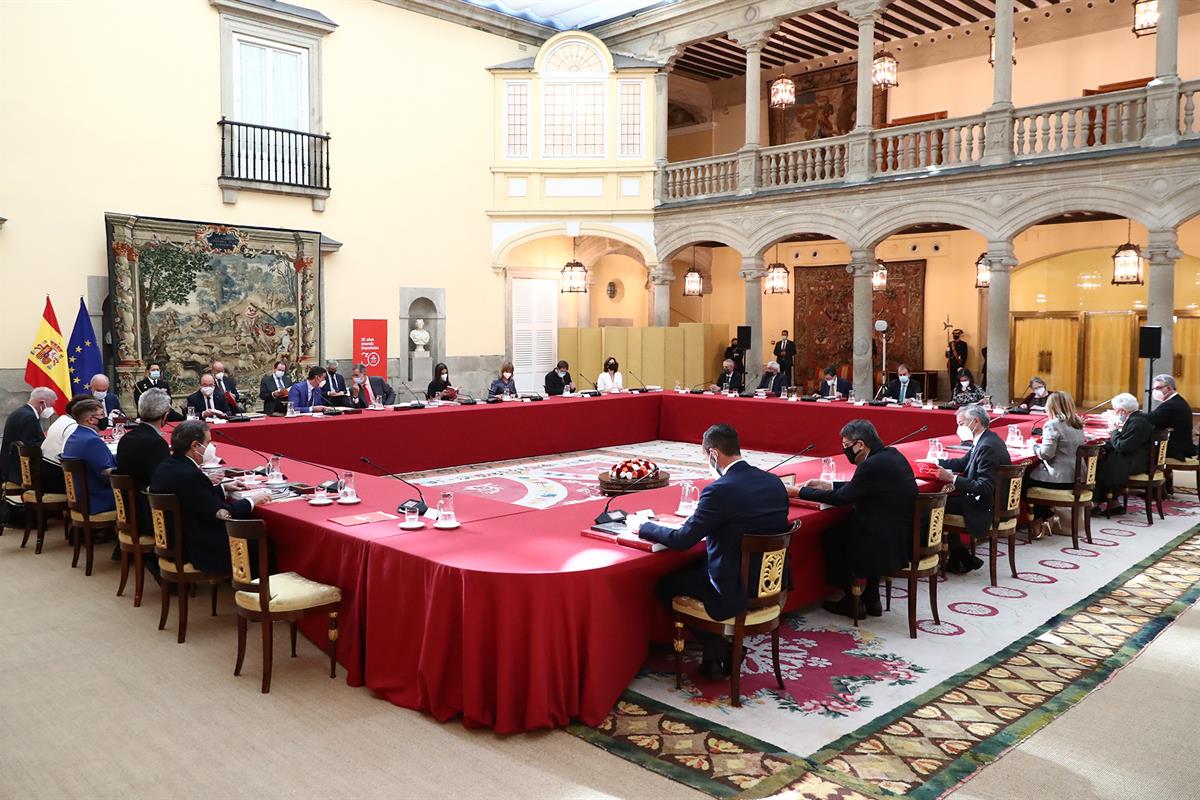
(743, 499)
(833, 386)
(86, 445)
(306, 396)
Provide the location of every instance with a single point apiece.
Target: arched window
(574, 99)
(574, 58)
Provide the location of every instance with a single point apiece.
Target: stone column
(661, 277)
(752, 273)
(998, 118)
(751, 39)
(1162, 253)
(1000, 260)
(1162, 94)
(866, 13)
(660, 135)
(862, 264)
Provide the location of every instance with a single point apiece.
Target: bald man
(98, 386)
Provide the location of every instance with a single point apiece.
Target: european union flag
(83, 352)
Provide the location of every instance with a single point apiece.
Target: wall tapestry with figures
(184, 292)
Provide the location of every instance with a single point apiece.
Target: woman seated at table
(1062, 435)
(440, 388)
(610, 380)
(1127, 452)
(1038, 394)
(966, 392)
(504, 384)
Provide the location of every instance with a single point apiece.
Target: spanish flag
(47, 364)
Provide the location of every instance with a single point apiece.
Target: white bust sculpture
(419, 336)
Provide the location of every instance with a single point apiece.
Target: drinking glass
(446, 509)
(919, 398)
(320, 492)
(411, 516)
(346, 486)
(291, 412)
(191, 413)
(274, 470)
(689, 496)
(118, 431)
(850, 395)
(828, 469)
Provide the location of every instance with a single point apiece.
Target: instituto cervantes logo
(47, 353)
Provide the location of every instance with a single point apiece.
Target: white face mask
(358, 381)
(445, 376)
(965, 434)
(505, 375)
(321, 385)
(210, 453)
(155, 374)
(713, 469)
(279, 373)
(562, 373)
(99, 395)
(904, 379)
(206, 391)
(1039, 391)
(832, 381)
(218, 375)
(1159, 396)
(47, 412)
(964, 383)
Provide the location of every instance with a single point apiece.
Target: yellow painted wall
(632, 300)
(693, 144)
(1082, 280)
(127, 123)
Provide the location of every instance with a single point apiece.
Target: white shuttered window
(534, 331)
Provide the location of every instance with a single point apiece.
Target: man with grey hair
(98, 386)
(773, 379)
(335, 387)
(1127, 452)
(1175, 413)
(24, 425)
(971, 506)
(731, 378)
(366, 389)
(141, 450)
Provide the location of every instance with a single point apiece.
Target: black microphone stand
(230, 440)
(921, 429)
(329, 485)
(793, 456)
(617, 515)
(417, 402)
(420, 505)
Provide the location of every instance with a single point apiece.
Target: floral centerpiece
(620, 475)
(633, 469)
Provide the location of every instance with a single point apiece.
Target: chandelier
(783, 92)
(884, 71)
(992, 49)
(879, 276)
(1127, 265)
(693, 281)
(573, 278)
(777, 277)
(1145, 17)
(983, 272)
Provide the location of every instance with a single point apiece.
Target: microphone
(633, 375)
(617, 515)
(921, 429)
(789, 458)
(593, 392)
(417, 401)
(1093, 408)
(420, 505)
(330, 485)
(230, 440)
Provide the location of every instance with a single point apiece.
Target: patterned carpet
(930, 742)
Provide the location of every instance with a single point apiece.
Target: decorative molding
(861, 10)
(573, 187)
(479, 18)
(231, 186)
(276, 13)
(1162, 247)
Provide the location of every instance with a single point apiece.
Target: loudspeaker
(1149, 341)
(744, 337)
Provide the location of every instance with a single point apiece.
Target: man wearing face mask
(975, 486)
(785, 354)
(876, 539)
(336, 392)
(558, 380)
(142, 449)
(24, 425)
(309, 395)
(365, 389)
(731, 378)
(774, 380)
(203, 507)
(1175, 413)
(226, 386)
(273, 389)
(153, 380)
(742, 499)
(206, 401)
(905, 387)
(85, 444)
(832, 386)
(98, 386)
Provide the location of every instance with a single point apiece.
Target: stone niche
(428, 305)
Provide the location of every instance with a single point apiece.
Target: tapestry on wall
(826, 105)
(825, 318)
(185, 292)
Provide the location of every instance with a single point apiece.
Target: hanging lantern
(693, 283)
(573, 278)
(783, 92)
(992, 50)
(778, 277)
(983, 272)
(879, 277)
(884, 71)
(1145, 17)
(1127, 261)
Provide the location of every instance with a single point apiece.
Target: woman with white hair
(1127, 452)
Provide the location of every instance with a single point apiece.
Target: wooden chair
(12, 499)
(134, 546)
(1174, 465)
(41, 503)
(1078, 498)
(172, 567)
(926, 559)
(84, 524)
(1006, 507)
(1152, 482)
(287, 596)
(762, 612)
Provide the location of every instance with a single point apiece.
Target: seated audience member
(504, 384)
(86, 445)
(273, 389)
(610, 380)
(60, 430)
(558, 380)
(24, 425)
(743, 499)
(1173, 412)
(153, 380)
(1062, 435)
(905, 386)
(440, 387)
(876, 540)
(966, 392)
(365, 389)
(1126, 454)
(309, 395)
(203, 507)
(336, 392)
(98, 386)
(143, 448)
(774, 380)
(226, 386)
(975, 486)
(1037, 396)
(736, 353)
(730, 379)
(832, 386)
(206, 401)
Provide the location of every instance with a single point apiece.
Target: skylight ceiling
(568, 14)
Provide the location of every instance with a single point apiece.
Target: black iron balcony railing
(264, 154)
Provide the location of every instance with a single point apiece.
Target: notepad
(362, 519)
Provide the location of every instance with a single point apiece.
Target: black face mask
(850, 453)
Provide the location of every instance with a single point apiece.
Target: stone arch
(1181, 205)
(671, 240)
(426, 304)
(643, 249)
(778, 230)
(1025, 212)
(947, 212)
(566, 39)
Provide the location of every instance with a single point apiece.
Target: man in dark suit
(1175, 413)
(785, 353)
(364, 389)
(956, 353)
(308, 395)
(905, 387)
(335, 391)
(203, 507)
(273, 389)
(206, 401)
(731, 378)
(143, 448)
(774, 380)
(153, 380)
(558, 380)
(834, 387)
(226, 386)
(975, 486)
(24, 425)
(98, 386)
(743, 499)
(1127, 452)
(876, 539)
